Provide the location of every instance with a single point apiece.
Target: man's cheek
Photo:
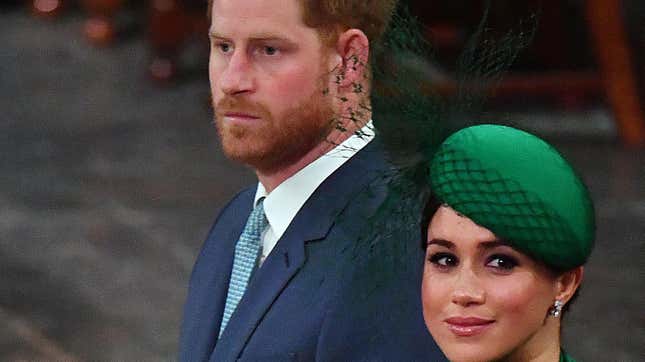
(298, 84)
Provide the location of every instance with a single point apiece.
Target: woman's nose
(468, 289)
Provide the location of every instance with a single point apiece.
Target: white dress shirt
(284, 202)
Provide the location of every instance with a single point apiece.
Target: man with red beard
(290, 84)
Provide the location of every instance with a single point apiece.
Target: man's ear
(353, 48)
(567, 283)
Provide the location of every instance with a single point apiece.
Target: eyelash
(267, 47)
(507, 262)
(504, 262)
(263, 49)
(221, 45)
(435, 258)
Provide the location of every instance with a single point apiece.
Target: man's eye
(443, 259)
(269, 50)
(223, 47)
(502, 262)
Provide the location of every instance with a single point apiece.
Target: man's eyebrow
(442, 242)
(214, 34)
(261, 37)
(254, 37)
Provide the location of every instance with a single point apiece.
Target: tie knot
(258, 216)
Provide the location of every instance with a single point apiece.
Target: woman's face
(482, 299)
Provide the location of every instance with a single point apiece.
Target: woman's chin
(470, 352)
(469, 357)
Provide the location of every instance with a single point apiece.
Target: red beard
(272, 142)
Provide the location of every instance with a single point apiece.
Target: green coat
(565, 358)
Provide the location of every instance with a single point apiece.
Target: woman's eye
(443, 259)
(502, 262)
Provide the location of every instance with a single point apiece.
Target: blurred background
(111, 173)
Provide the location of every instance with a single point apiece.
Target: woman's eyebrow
(492, 244)
(442, 242)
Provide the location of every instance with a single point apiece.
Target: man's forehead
(254, 12)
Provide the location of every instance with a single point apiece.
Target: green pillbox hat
(520, 188)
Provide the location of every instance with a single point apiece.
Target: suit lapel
(283, 263)
(205, 303)
(313, 222)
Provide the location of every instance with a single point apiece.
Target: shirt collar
(284, 202)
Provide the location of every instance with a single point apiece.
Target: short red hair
(330, 17)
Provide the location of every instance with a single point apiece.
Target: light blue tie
(246, 256)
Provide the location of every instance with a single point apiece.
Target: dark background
(109, 182)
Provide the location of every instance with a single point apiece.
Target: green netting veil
(520, 188)
(413, 114)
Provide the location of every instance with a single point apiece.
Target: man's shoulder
(236, 209)
(243, 196)
(229, 221)
(243, 199)
(372, 154)
(359, 171)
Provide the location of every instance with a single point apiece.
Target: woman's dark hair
(428, 211)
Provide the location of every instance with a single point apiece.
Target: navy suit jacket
(302, 304)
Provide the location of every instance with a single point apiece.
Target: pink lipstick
(468, 326)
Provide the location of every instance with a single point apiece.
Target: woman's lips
(468, 326)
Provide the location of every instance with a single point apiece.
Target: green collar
(565, 358)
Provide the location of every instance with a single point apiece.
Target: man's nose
(468, 289)
(237, 75)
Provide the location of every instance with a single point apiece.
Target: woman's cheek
(514, 294)
(435, 291)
